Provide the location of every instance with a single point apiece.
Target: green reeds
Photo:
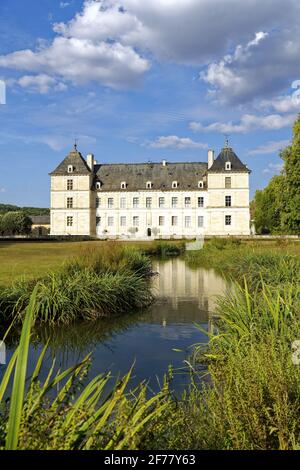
(93, 285)
(73, 416)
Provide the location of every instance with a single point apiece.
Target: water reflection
(185, 296)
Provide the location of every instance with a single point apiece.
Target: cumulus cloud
(81, 61)
(285, 103)
(173, 141)
(113, 41)
(262, 67)
(270, 147)
(41, 83)
(247, 123)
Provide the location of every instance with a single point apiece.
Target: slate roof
(76, 160)
(136, 175)
(228, 155)
(40, 219)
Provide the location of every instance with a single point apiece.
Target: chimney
(90, 161)
(164, 162)
(210, 158)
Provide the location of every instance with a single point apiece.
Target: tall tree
(290, 215)
(277, 207)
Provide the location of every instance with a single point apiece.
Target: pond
(185, 297)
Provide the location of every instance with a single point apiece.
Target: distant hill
(26, 210)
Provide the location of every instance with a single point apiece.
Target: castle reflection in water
(192, 291)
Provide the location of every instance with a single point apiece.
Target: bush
(98, 283)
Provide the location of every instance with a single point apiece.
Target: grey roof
(228, 155)
(136, 175)
(76, 160)
(40, 219)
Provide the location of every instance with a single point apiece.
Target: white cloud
(107, 42)
(247, 123)
(64, 4)
(270, 147)
(173, 141)
(287, 103)
(273, 168)
(41, 83)
(2, 189)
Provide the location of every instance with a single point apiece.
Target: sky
(137, 81)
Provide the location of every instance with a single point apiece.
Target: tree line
(276, 208)
(15, 223)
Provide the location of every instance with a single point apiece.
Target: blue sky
(136, 81)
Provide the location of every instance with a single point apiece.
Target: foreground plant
(79, 416)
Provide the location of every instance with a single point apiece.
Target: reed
(78, 416)
(93, 285)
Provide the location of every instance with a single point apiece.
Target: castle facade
(150, 200)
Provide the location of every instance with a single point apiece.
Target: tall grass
(40, 417)
(95, 284)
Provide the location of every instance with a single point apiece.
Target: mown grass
(35, 259)
(97, 283)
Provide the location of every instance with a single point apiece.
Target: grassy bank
(98, 282)
(34, 259)
(250, 401)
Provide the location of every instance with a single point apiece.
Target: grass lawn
(34, 259)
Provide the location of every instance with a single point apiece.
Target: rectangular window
(69, 221)
(135, 202)
(161, 220)
(135, 221)
(98, 202)
(69, 185)
(110, 221)
(174, 202)
(227, 182)
(187, 202)
(69, 202)
(161, 202)
(98, 221)
(123, 202)
(110, 202)
(187, 222)
(123, 221)
(200, 201)
(228, 201)
(200, 221)
(174, 220)
(227, 219)
(148, 202)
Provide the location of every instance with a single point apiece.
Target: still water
(185, 297)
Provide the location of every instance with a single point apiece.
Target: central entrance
(149, 232)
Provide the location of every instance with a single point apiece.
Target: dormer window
(123, 185)
(200, 184)
(228, 166)
(70, 168)
(149, 185)
(98, 185)
(174, 184)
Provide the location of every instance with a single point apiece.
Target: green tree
(15, 223)
(290, 215)
(276, 208)
(267, 207)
